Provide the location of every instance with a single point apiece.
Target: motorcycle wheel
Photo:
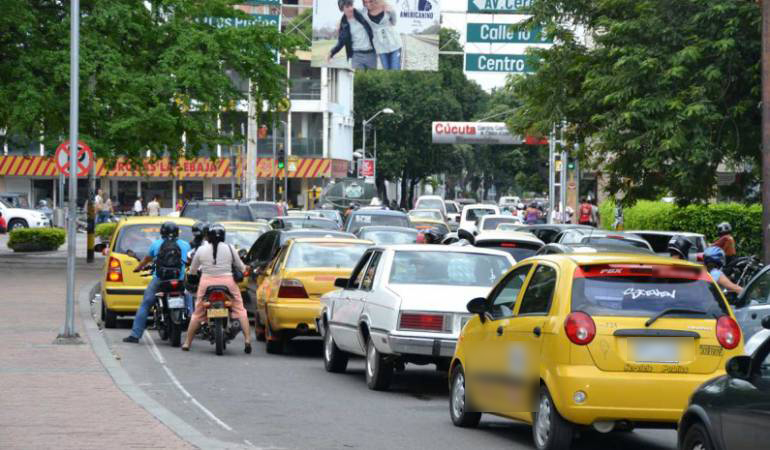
(219, 336)
(175, 334)
(161, 327)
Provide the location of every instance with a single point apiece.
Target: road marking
(155, 352)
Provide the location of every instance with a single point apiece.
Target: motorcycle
(170, 316)
(219, 329)
(742, 269)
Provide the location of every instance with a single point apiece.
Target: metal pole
(363, 152)
(286, 169)
(766, 130)
(275, 131)
(563, 183)
(551, 170)
(251, 150)
(68, 333)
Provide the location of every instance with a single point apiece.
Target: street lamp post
(365, 123)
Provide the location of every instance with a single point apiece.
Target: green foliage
(36, 239)
(150, 72)
(746, 220)
(104, 231)
(665, 92)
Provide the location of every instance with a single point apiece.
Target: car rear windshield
(385, 237)
(614, 241)
(296, 223)
(366, 220)
(451, 208)
(491, 224)
(217, 212)
(476, 213)
(447, 268)
(425, 214)
(430, 203)
(326, 254)
(519, 250)
(135, 240)
(643, 291)
(265, 210)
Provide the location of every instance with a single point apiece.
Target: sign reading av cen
(473, 133)
(499, 6)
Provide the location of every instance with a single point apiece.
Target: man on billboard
(387, 40)
(355, 35)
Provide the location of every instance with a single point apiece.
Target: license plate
(655, 351)
(175, 302)
(216, 313)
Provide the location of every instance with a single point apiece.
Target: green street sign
(504, 33)
(499, 6)
(255, 19)
(476, 62)
(263, 2)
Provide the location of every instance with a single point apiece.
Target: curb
(124, 382)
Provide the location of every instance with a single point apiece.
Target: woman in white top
(387, 41)
(216, 260)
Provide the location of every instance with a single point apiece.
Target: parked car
(431, 202)
(518, 244)
(732, 412)
(267, 210)
(753, 304)
(602, 341)
(385, 235)
(22, 217)
(557, 249)
(491, 222)
(288, 299)
(659, 240)
(212, 211)
(549, 232)
(594, 236)
(433, 214)
(404, 304)
(369, 217)
(472, 213)
(297, 222)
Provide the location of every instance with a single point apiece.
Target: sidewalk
(57, 257)
(60, 396)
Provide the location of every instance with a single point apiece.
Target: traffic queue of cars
(543, 324)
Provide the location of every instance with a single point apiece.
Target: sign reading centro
(473, 133)
(479, 62)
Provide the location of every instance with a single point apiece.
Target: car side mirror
(478, 306)
(341, 283)
(766, 322)
(739, 367)
(99, 248)
(465, 234)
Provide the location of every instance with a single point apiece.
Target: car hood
(432, 297)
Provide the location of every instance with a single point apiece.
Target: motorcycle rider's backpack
(585, 213)
(169, 260)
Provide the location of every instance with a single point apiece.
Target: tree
(151, 72)
(658, 93)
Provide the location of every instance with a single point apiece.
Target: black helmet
(216, 233)
(169, 230)
(724, 228)
(679, 245)
(200, 230)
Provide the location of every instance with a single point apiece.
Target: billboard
(473, 133)
(376, 34)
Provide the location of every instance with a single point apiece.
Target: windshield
(491, 224)
(430, 203)
(447, 268)
(474, 214)
(614, 241)
(426, 214)
(519, 250)
(325, 254)
(643, 293)
(217, 212)
(364, 220)
(295, 223)
(243, 238)
(135, 240)
(265, 210)
(388, 237)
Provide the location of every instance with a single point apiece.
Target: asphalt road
(290, 401)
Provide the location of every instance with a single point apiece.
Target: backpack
(168, 263)
(585, 213)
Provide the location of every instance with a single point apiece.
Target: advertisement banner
(473, 133)
(367, 167)
(376, 34)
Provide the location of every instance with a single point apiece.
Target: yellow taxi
(289, 297)
(610, 341)
(122, 289)
(242, 235)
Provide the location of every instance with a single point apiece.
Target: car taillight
(114, 271)
(174, 284)
(292, 289)
(421, 321)
(217, 296)
(728, 332)
(580, 328)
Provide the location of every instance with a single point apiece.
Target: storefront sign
(475, 62)
(499, 6)
(504, 33)
(473, 133)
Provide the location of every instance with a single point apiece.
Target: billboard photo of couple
(376, 34)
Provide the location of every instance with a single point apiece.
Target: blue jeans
(102, 217)
(140, 319)
(391, 61)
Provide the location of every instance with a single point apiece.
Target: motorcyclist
(726, 241)
(714, 259)
(679, 247)
(216, 260)
(169, 231)
(199, 231)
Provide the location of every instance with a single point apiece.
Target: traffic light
(571, 164)
(281, 159)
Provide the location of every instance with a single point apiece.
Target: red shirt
(726, 243)
(3, 225)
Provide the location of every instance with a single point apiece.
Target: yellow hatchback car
(610, 341)
(122, 289)
(289, 298)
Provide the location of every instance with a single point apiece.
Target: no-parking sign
(85, 158)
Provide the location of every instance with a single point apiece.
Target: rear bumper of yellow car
(296, 315)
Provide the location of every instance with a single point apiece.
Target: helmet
(714, 256)
(680, 245)
(216, 233)
(200, 230)
(42, 204)
(724, 228)
(169, 230)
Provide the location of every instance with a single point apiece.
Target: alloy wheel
(543, 422)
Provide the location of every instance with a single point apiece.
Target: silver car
(753, 304)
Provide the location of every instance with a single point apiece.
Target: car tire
(16, 224)
(109, 318)
(458, 402)
(379, 372)
(335, 360)
(258, 329)
(549, 429)
(275, 344)
(697, 438)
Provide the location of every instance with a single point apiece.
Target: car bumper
(296, 315)
(122, 300)
(426, 346)
(640, 397)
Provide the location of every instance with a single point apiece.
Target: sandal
(185, 348)
(247, 348)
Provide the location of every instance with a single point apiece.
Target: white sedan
(405, 304)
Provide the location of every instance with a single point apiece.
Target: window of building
(305, 81)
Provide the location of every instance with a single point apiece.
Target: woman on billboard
(387, 41)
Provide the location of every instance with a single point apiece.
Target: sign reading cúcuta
(473, 133)
(499, 6)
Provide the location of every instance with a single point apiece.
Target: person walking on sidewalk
(153, 208)
(164, 252)
(138, 208)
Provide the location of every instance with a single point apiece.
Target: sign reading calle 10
(499, 6)
(505, 33)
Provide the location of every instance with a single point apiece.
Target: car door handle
(537, 331)
(500, 331)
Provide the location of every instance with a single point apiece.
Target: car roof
(303, 217)
(442, 248)
(426, 220)
(153, 220)
(229, 201)
(246, 225)
(377, 212)
(665, 233)
(310, 232)
(425, 209)
(559, 226)
(481, 206)
(431, 197)
(387, 228)
(335, 240)
(615, 258)
(494, 235)
(599, 248)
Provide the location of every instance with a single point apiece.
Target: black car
(266, 210)
(212, 211)
(557, 249)
(548, 232)
(732, 412)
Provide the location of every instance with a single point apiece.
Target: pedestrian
(169, 254)
(107, 209)
(532, 214)
(356, 36)
(585, 212)
(595, 219)
(138, 208)
(98, 205)
(387, 40)
(570, 214)
(153, 208)
(618, 224)
(3, 224)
